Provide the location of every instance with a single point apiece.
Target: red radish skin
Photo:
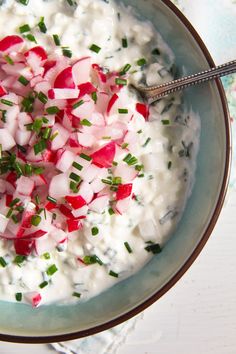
(24, 247)
(104, 156)
(124, 191)
(76, 202)
(11, 42)
(74, 225)
(65, 79)
(143, 109)
(39, 51)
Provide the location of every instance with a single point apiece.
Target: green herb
(77, 104)
(124, 145)
(53, 110)
(75, 177)
(94, 96)
(67, 52)
(46, 255)
(28, 170)
(114, 163)
(124, 43)
(113, 274)
(56, 40)
(85, 122)
(47, 132)
(116, 181)
(51, 270)
(24, 2)
(74, 187)
(139, 167)
(92, 260)
(42, 25)
(156, 51)
(70, 2)
(52, 137)
(14, 219)
(85, 157)
(141, 175)
(127, 246)
(14, 202)
(31, 38)
(169, 165)
(18, 169)
(52, 200)
(139, 131)
(42, 97)
(35, 220)
(9, 60)
(43, 284)
(76, 294)
(111, 211)
(130, 160)
(45, 120)
(24, 28)
(106, 181)
(120, 81)
(18, 297)
(27, 103)
(19, 260)
(141, 62)
(7, 103)
(23, 80)
(37, 199)
(165, 121)
(125, 69)
(147, 142)
(95, 48)
(3, 263)
(186, 152)
(77, 166)
(94, 231)
(154, 248)
(40, 147)
(123, 110)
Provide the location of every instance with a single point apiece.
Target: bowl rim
(141, 307)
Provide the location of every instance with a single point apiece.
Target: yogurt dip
(93, 182)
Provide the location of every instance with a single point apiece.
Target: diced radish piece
(59, 186)
(86, 140)
(85, 110)
(11, 43)
(131, 138)
(102, 102)
(35, 234)
(22, 137)
(80, 212)
(61, 138)
(85, 190)
(123, 205)
(104, 156)
(76, 201)
(6, 140)
(39, 180)
(25, 186)
(111, 102)
(97, 119)
(99, 76)
(24, 247)
(43, 87)
(65, 79)
(66, 211)
(44, 244)
(2, 186)
(39, 51)
(124, 191)
(34, 298)
(97, 185)
(63, 94)
(23, 119)
(3, 223)
(3, 91)
(127, 173)
(90, 173)
(58, 235)
(86, 89)
(99, 204)
(143, 109)
(81, 70)
(11, 124)
(82, 162)
(18, 69)
(74, 225)
(66, 160)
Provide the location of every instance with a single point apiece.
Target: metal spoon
(151, 94)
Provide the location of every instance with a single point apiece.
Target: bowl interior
(18, 319)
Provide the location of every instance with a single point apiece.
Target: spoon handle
(153, 93)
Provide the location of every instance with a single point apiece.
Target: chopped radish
(34, 298)
(3, 223)
(75, 201)
(65, 79)
(65, 161)
(6, 139)
(39, 51)
(79, 213)
(59, 186)
(99, 204)
(85, 190)
(74, 225)
(25, 185)
(111, 103)
(143, 109)
(63, 94)
(122, 206)
(11, 43)
(3, 91)
(24, 247)
(61, 138)
(104, 156)
(124, 191)
(81, 70)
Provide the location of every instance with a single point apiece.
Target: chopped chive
(141, 62)
(37, 125)
(70, 2)
(124, 145)
(111, 211)
(95, 48)
(14, 202)
(38, 170)
(124, 42)
(66, 52)
(114, 163)
(125, 69)
(139, 167)
(51, 270)
(92, 260)
(141, 175)
(94, 96)
(123, 110)
(4, 115)
(76, 294)
(74, 187)
(18, 297)
(52, 137)
(14, 219)
(7, 103)
(156, 51)
(85, 122)
(120, 81)
(75, 177)
(94, 231)
(40, 147)
(24, 2)
(165, 121)
(35, 220)
(52, 200)
(31, 38)
(53, 110)
(9, 60)
(169, 165)
(77, 165)
(43, 284)
(116, 181)
(147, 142)
(77, 104)
(139, 131)
(106, 181)
(113, 274)
(3, 263)
(42, 97)
(130, 160)
(85, 157)
(28, 169)
(45, 120)
(37, 199)
(19, 260)
(24, 28)
(106, 137)
(42, 25)
(127, 246)
(18, 169)
(154, 248)
(46, 255)
(23, 80)
(56, 39)
(47, 132)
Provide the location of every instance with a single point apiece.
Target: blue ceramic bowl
(21, 323)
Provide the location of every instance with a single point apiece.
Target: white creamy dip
(167, 147)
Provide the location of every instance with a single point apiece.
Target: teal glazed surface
(22, 320)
